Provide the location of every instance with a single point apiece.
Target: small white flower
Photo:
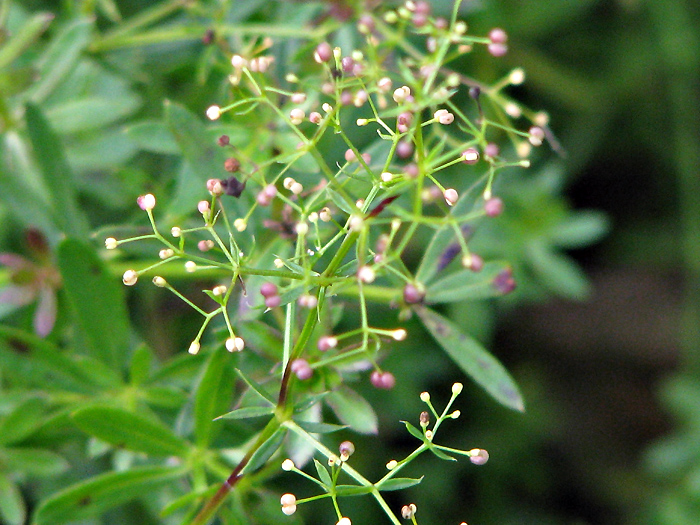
(451, 196)
(175, 231)
(517, 76)
(194, 348)
(159, 281)
(399, 334)
(190, 266)
(111, 243)
(287, 465)
(240, 225)
(165, 253)
(289, 504)
(146, 202)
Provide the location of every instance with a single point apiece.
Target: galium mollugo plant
(353, 158)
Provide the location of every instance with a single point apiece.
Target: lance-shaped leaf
(127, 430)
(353, 410)
(212, 397)
(22, 421)
(56, 174)
(399, 483)
(92, 291)
(248, 412)
(314, 427)
(323, 474)
(96, 495)
(466, 285)
(13, 511)
(266, 450)
(471, 357)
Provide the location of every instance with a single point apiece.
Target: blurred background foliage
(609, 363)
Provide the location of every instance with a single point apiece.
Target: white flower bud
(240, 225)
(130, 277)
(190, 266)
(165, 253)
(287, 465)
(159, 281)
(213, 112)
(111, 243)
(175, 231)
(194, 348)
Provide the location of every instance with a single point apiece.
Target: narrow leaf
(12, 508)
(319, 428)
(399, 483)
(439, 453)
(266, 450)
(33, 461)
(353, 490)
(473, 359)
(91, 112)
(414, 431)
(57, 175)
(323, 474)
(353, 410)
(248, 412)
(27, 34)
(94, 496)
(466, 285)
(212, 396)
(92, 291)
(24, 419)
(125, 429)
(60, 58)
(154, 136)
(255, 387)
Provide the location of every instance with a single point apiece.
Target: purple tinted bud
(273, 301)
(498, 50)
(504, 282)
(323, 52)
(346, 97)
(302, 369)
(232, 165)
(476, 263)
(493, 207)
(404, 149)
(413, 294)
(223, 140)
(383, 380)
(411, 170)
(347, 63)
(498, 36)
(268, 289)
(474, 92)
(492, 150)
(365, 24)
(419, 20)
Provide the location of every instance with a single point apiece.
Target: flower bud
(213, 112)
(346, 448)
(159, 281)
(194, 348)
(130, 277)
(111, 243)
(287, 465)
(146, 202)
(235, 344)
(451, 196)
(478, 456)
(289, 504)
(327, 342)
(471, 155)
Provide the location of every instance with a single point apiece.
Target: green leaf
(42, 354)
(140, 365)
(414, 431)
(473, 359)
(93, 497)
(439, 453)
(266, 450)
(91, 112)
(97, 300)
(445, 235)
(353, 410)
(27, 34)
(204, 158)
(580, 229)
(164, 396)
(154, 136)
(353, 490)
(558, 272)
(212, 397)
(32, 461)
(57, 175)
(13, 511)
(22, 189)
(323, 475)
(125, 429)
(399, 483)
(466, 285)
(314, 427)
(308, 402)
(256, 387)
(60, 58)
(24, 419)
(248, 412)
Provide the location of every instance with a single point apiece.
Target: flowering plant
(339, 202)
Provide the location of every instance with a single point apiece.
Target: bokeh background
(611, 370)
